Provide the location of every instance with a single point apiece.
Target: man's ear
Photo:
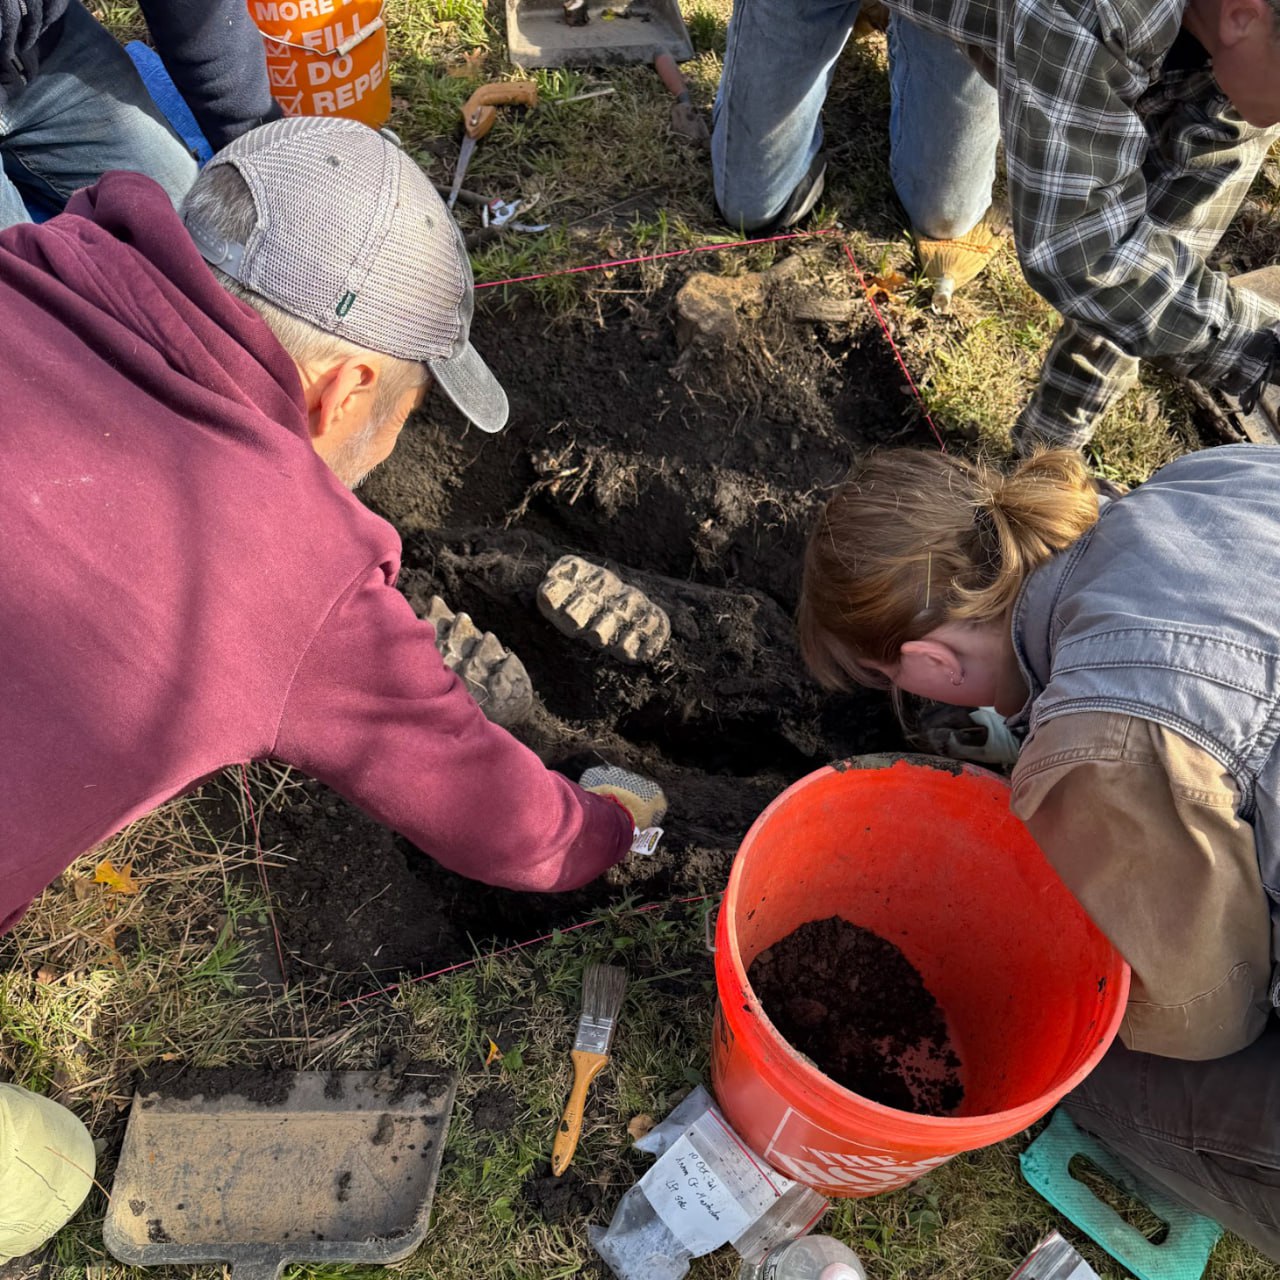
(340, 398)
(1239, 20)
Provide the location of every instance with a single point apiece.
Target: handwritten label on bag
(707, 1189)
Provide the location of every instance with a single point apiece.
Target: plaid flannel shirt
(1125, 166)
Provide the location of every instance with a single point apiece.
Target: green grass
(82, 1016)
(94, 988)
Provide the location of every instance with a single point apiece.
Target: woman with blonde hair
(1137, 643)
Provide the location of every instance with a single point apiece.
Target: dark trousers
(1206, 1132)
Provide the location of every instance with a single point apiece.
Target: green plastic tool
(1181, 1255)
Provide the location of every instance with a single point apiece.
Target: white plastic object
(808, 1258)
(645, 842)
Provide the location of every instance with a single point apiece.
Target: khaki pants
(46, 1169)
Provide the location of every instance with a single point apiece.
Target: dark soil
(854, 1005)
(494, 1109)
(560, 1199)
(694, 478)
(269, 1088)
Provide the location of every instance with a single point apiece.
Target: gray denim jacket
(1169, 610)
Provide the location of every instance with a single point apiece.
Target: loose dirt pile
(855, 1005)
(692, 474)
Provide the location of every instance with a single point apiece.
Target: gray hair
(221, 200)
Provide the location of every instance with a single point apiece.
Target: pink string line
(743, 244)
(656, 257)
(868, 292)
(897, 354)
(520, 946)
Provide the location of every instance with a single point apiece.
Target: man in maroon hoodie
(187, 580)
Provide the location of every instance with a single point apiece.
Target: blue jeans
(85, 112)
(767, 127)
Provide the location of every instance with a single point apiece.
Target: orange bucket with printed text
(926, 853)
(326, 57)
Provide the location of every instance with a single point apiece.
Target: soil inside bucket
(854, 1004)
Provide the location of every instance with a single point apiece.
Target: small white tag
(645, 842)
(698, 1209)
(708, 1188)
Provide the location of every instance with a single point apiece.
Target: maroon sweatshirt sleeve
(374, 713)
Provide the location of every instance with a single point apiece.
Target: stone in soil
(494, 676)
(853, 1004)
(583, 599)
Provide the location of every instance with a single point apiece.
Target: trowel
(278, 1167)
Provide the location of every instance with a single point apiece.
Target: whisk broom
(949, 264)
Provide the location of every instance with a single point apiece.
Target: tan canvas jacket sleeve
(1140, 824)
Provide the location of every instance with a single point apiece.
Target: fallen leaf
(46, 974)
(494, 1055)
(117, 880)
(887, 285)
(82, 887)
(472, 64)
(170, 1057)
(639, 1125)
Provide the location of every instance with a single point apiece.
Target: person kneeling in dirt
(188, 580)
(1149, 679)
(1132, 133)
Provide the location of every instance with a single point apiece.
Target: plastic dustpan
(1181, 1255)
(616, 31)
(265, 1168)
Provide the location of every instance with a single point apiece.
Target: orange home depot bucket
(925, 853)
(326, 57)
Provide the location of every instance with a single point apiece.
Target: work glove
(963, 733)
(642, 798)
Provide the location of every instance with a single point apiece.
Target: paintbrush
(602, 990)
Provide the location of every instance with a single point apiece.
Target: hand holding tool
(603, 987)
(685, 119)
(478, 114)
(644, 801)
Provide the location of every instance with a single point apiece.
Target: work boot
(584, 600)
(494, 676)
(800, 204)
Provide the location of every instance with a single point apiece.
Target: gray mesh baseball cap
(352, 238)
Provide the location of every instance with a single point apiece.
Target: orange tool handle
(665, 65)
(480, 110)
(586, 1066)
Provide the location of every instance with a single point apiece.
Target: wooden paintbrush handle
(586, 1066)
